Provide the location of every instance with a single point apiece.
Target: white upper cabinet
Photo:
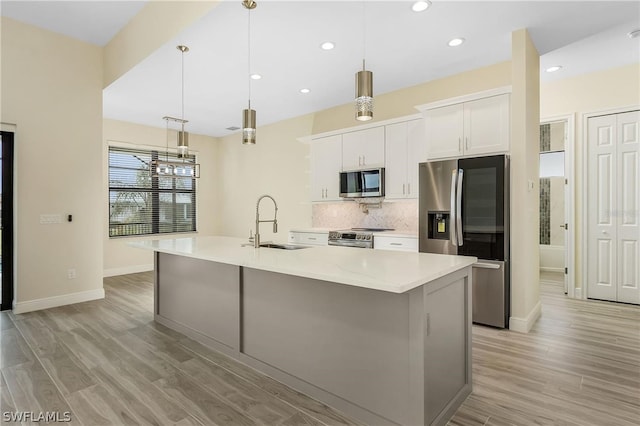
(326, 155)
(477, 127)
(405, 147)
(486, 126)
(363, 149)
(445, 131)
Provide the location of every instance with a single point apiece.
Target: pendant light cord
(249, 53)
(166, 155)
(364, 35)
(182, 90)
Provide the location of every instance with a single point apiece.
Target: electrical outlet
(71, 274)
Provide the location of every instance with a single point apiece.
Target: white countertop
(395, 272)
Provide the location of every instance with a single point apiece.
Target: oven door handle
(342, 244)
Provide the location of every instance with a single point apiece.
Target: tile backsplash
(400, 215)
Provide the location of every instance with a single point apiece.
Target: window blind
(140, 204)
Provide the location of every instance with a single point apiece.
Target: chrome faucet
(256, 238)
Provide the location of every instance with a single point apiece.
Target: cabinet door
(416, 154)
(395, 160)
(486, 125)
(444, 131)
(363, 149)
(325, 168)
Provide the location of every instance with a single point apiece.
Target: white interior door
(628, 229)
(614, 207)
(601, 245)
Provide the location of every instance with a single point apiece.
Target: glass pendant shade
(183, 144)
(249, 126)
(364, 95)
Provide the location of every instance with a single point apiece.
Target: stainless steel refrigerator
(464, 209)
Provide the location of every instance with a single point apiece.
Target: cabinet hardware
(395, 244)
(428, 324)
(403, 189)
(409, 188)
(364, 163)
(460, 144)
(466, 142)
(312, 238)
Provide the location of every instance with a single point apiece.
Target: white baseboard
(55, 301)
(113, 272)
(548, 269)
(523, 325)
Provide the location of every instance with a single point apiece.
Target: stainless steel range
(354, 237)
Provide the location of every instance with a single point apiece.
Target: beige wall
(402, 102)
(52, 92)
(118, 257)
(595, 92)
(525, 200)
(277, 165)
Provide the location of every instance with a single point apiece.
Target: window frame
(154, 191)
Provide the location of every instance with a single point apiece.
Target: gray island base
(382, 357)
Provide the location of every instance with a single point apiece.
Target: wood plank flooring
(107, 362)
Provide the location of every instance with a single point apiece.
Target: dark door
(483, 207)
(6, 209)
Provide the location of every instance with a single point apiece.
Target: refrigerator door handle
(459, 208)
(452, 224)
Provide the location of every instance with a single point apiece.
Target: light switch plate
(48, 219)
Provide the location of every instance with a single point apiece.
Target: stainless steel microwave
(362, 183)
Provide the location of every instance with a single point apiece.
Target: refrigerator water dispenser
(438, 225)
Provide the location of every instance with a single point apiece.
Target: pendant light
(183, 137)
(184, 166)
(364, 82)
(249, 115)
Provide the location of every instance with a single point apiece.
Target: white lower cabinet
(309, 238)
(395, 243)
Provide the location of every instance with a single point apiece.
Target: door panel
(605, 193)
(628, 206)
(601, 247)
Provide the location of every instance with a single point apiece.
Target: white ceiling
(403, 48)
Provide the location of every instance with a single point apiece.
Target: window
(140, 204)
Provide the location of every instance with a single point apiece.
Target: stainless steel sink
(283, 246)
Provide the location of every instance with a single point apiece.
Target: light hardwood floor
(107, 362)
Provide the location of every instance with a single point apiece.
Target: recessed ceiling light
(456, 42)
(634, 34)
(304, 90)
(233, 128)
(327, 45)
(420, 6)
(256, 76)
(553, 68)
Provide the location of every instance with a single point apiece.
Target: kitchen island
(383, 336)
